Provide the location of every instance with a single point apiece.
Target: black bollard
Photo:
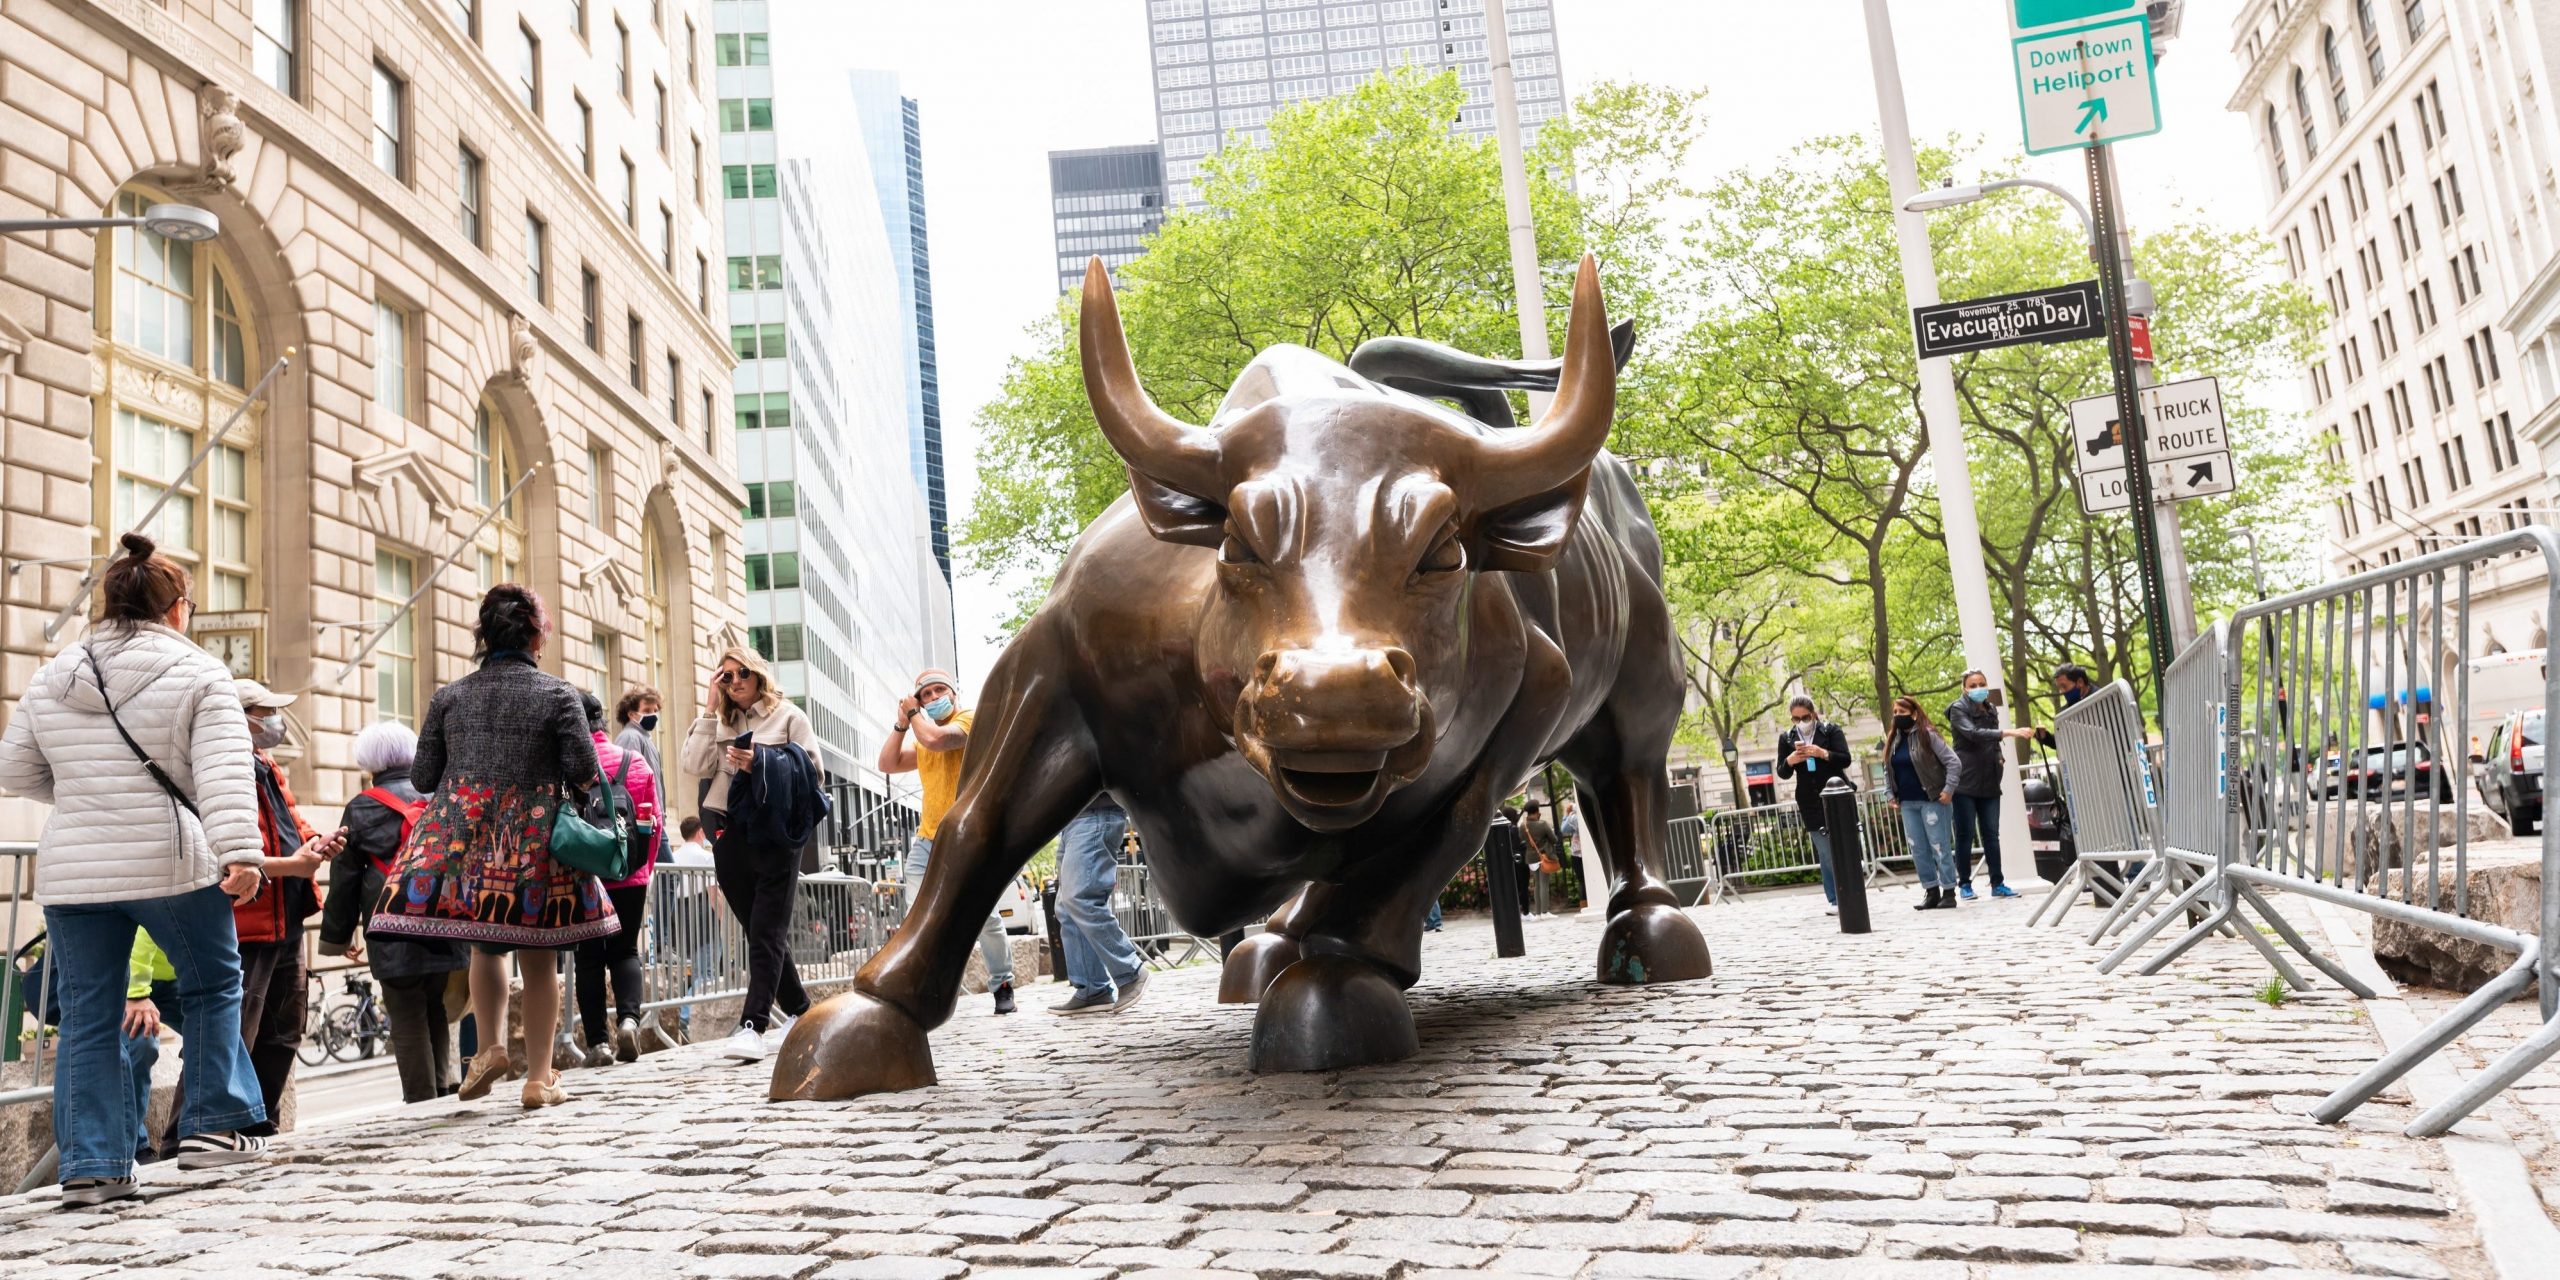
(1848, 859)
(1502, 887)
(1057, 940)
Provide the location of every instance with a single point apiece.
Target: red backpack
(408, 811)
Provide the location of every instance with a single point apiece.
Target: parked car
(2393, 772)
(2509, 772)
(1019, 908)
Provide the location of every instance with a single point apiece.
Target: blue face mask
(1982, 694)
(939, 709)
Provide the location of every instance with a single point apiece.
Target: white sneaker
(781, 1026)
(744, 1044)
(1831, 908)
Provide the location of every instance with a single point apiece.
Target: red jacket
(287, 901)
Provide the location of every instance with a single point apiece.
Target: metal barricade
(2109, 796)
(1770, 842)
(2309, 752)
(26, 1070)
(1685, 865)
(694, 950)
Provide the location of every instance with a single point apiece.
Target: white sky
(1001, 83)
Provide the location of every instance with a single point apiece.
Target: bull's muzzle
(1334, 725)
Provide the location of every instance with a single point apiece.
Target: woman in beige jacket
(743, 710)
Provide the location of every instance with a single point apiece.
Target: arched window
(658, 642)
(500, 549)
(173, 351)
(2275, 151)
(2337, 69)
(2302, 112)
(2372, 38)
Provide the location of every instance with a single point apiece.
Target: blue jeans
(1928, 826)
(93, 1107)
(991, 940)
(1431, 919)
(1822, 854)
(1099, 957)
(1982, 814)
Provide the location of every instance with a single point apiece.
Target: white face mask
(266, 732)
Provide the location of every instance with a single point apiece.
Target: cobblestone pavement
(1951, 1098)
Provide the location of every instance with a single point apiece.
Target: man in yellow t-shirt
(940, 725)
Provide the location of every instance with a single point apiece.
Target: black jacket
(1834, 744)
(373, 833)
(1974, 728)
(785, 798)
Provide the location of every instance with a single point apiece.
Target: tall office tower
(1105, 200)
(2368, 122)
(843, 593)
(1223, 66)
(892, 137)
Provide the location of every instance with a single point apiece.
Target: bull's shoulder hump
(1290, 370)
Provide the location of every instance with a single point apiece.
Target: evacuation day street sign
(2084, 72)
(2066, 313)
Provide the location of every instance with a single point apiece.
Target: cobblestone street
(1952, 1097)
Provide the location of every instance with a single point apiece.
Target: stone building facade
(482, 232)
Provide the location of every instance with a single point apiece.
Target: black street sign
(2065, 314)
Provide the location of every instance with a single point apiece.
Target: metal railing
(1720, 853)
(2109, 797)
(25, 1072)
(694, 951)
(2309, 752)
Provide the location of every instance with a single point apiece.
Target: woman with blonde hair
(742, 711)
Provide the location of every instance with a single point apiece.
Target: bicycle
(314, 1049)
(361, 1027)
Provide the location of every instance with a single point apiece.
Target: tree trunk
(1880, 652)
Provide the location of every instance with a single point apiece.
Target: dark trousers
(760, 883)
(615, 956)
(271, 997)
(1977, 814)
(421, 1036)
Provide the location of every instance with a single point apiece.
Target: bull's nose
(1338, 700)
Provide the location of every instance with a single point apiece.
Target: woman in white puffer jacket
(136, 737)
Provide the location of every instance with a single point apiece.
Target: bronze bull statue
(1310, 653)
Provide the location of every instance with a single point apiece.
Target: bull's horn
(1164, 448)
(1562, 443)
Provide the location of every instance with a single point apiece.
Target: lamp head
(181, 222)
(1946, 197)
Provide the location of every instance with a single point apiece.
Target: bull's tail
(1476, 383)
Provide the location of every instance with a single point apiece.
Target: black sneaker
(1084, 1002)
(1135, 987)
(1004, 997)
(213, 1150)
(81, 1193)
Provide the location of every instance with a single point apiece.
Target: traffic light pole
(2137, 471)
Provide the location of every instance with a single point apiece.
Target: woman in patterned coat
(494, 751)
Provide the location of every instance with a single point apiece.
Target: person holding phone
(742, 710)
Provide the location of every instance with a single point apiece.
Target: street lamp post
(169, 221)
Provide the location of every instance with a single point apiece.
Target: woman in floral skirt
(493, 752)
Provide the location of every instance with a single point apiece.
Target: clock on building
(238, 639)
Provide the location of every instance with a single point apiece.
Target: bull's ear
(1174, 516)
(1528, 535)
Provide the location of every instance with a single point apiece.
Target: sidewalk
(1950, 1098)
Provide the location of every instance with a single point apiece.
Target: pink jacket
(643, 786)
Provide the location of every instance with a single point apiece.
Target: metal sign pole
(383, 628)
(2137, 469)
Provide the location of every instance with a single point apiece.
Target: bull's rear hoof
(1650, 942)
(1253, 963)
(849, 1045)
(1330, 1011)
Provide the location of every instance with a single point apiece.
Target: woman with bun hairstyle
(135, 736)
(493, 752)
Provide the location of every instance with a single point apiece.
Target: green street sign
(2081, 86)
(2027, 17)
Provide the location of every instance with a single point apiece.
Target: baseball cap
(254, 694)
(934, 675)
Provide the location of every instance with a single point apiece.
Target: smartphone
(744, 741)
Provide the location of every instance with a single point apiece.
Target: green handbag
(592, 835)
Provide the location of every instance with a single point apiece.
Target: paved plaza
(1951, 1098)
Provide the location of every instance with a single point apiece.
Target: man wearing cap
(270, 924)
(941, 728)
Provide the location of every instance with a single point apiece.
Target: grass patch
(2273, 995)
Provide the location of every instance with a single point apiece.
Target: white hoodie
(114, 835)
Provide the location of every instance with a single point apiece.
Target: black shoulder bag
(149, 765)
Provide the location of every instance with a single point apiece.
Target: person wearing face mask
(1974, 723)
(941, 728)
(1814, 752)
(635, 718)
(1925, 772)
(742, 711)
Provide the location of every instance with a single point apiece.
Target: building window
(749, 274)
(2302, 113)
(746, 115)
(578, 17)
(778, 570)
(720, 562)
(770, 411)
(2372, 39)
(466, 15)
(599, 487)
(675, 389)
(499, 551)
(692, 55)
(783, 642)
(776, 498)
(529, 68)
(585, 143)
(660, 87)
(395, 656)
(710, 420)
(173, 314)
(630, 193)
(636, 339)
(606, 657)
(391, 357)
(537, 258)
(275, 30)
(701, 184)
(702, 282)
(2332, 62)
(390, 122)
(752, 49)
(756, 341)
(468, 173)
(750, 181)
(2275, 150)
(666, 239)
(591, 307)
(2416, 12)
(622, 60)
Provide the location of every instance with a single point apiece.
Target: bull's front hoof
(1650, 942)
(848, 1045)
(1329, 1011)
(1252, 965)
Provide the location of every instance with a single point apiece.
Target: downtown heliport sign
(2084, 72)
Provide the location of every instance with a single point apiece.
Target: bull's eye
(1446, 555)
(1234, 550)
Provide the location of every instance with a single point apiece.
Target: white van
(2501, 683)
